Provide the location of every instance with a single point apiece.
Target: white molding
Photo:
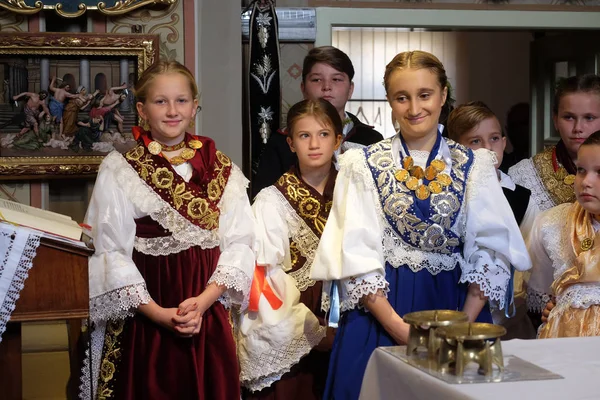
(327, 17)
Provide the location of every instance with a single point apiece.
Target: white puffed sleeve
(271, 341)
(542, 273)
(116, 285)
(235, 267)
(351, 249)
(493, 240)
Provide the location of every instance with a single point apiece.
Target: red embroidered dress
(160, 237)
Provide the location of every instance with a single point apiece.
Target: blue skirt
(359, 333)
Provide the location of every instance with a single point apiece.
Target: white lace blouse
(271, 341)
(551, 253)
(120, 196)
(358, 239)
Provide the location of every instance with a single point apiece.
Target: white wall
(220, 60)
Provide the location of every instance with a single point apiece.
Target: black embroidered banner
(264, 89)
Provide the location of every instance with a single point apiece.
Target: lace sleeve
(492, 276)
(355, 288)
(116, 285)
(236, 230)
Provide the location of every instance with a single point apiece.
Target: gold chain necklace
(412, 177)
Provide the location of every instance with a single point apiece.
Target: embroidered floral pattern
(398, 203)
(111, 356)
(559, 191)
(198, 205)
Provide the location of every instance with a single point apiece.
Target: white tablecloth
(576, 359)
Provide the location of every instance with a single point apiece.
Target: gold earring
(145, 125)
(192, 123)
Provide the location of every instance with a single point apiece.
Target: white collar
(506, 181)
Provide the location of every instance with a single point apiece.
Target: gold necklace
(188, 152)
(412, 176)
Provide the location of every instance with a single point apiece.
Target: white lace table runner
(18, 246)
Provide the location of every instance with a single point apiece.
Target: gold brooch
(154, 147)
(188, 153)
(422, 192)
(569, 179)
(587, 244)
(195, 144)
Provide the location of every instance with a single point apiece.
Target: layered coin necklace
(561, 172)
(412, 176)
(188, 152)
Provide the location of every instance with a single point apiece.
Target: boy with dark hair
(327, 73)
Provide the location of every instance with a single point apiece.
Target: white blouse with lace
(358, 239)
(270, 342)
(120, 196)
(551, 253)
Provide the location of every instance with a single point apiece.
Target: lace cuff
(119, 303)
(536, 301)
(236, 282)
(270, 365)
(492, 281)
(160, 246)
(355, 288)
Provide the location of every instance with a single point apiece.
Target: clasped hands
(184, 321)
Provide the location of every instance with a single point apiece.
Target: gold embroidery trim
(197, 208)
(111, 356)
(554, 183)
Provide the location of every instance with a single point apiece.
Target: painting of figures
(61, 112)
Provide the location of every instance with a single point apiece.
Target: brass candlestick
(470, 342)
(423, 325)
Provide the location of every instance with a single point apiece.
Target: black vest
(518, 200)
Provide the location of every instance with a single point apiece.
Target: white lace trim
(582, 295)
(15, 266)
(268, 367)
(236, 188)
(482, 170)
(357, 288)
(395, 251)
(555, 236)
(150, 203)
(397, 254)
(236, 281)
(493, 282)
(305, 239)
(536, 301)
(160, 246)
(524, 173)
(119, 303)
(89, 379)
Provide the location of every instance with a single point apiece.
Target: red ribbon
(260, 286)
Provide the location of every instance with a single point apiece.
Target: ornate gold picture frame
(107, 64)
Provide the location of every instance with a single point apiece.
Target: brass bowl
(467, 342)
(423, 325)
(470, 331)
(435, 318)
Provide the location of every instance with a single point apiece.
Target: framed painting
(66, 100)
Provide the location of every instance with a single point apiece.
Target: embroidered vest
(313, 209)
(196, 203)
(552, 180)
(431, 231)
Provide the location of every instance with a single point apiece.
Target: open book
(42, 220)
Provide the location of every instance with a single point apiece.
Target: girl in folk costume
(550, 174)
(475, 126)
(565, 251)
(174, 235)
(418, 223)
(576, 114)
(284, 346)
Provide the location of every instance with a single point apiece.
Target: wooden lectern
(57, 289)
